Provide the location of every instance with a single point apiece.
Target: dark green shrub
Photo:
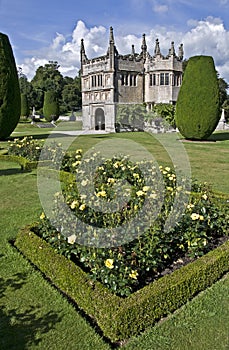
(51, 106)
(10, 100)
(24, 106)
(197, 109)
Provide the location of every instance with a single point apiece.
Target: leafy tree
(167, 112)
(47, 78)
(197, 108)
(223, 86)
(51, 106)
(71, 94)
(10, 99)
(226, 109)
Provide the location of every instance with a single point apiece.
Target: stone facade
(115, 79)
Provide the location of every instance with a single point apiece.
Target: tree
(71, 94)
(47, 78)
(24, 106)
(223, 86)
(167, 112)
(198, 103)
(51, 106)
(10, 99)
(26, 89)
(226, 109)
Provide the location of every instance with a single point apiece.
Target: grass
(34, 315)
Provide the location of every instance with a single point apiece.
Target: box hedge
(121, 318)
(25, 164)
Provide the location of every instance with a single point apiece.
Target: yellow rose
(140, 193)
(109, 263)
(84, 182)
(133, 274)
(82, 207)
(74, 204)
(101, 194)
(42, 216)
(195, 216)
(72, 239)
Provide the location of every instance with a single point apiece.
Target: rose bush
(130, 203)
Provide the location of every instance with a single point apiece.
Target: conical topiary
(51, 106)
(10, 99)
(24, 106)
(197, 108)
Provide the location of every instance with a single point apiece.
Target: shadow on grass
(12, 171)
(20, 330)
(221, 136)
(39, 136)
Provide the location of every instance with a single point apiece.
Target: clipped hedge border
(119, 318)
(25, 164)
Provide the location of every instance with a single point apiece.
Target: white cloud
(160, 8)
(205, 37)
(209, 37)
(224, 2)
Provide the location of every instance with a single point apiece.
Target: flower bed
(121, 248)
(120, 318)
(115, 231)
(29, 152)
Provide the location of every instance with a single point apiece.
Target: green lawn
(34, 315)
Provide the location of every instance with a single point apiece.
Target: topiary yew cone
(51, 106)
(197, 108)
(10, 98)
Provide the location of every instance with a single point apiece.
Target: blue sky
(40, 31)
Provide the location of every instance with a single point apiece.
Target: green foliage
(26, 147)
(71, 94)
(48, 78)
(27, 150)
(51, 106)
(10, 100)
(118, 318)
(24, 106)
(223, 86)
(131, 115)
(226, 109)
(146, 249)
(162, 114)
(197, 108)
(167, 112)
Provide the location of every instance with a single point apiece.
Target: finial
(111, 35)
(144, 46)
(82, 46)
(181, 52)
(133, 50)
(172, 50)
(157, 50)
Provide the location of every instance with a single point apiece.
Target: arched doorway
(99, 119)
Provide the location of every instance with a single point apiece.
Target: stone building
(115, 79)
